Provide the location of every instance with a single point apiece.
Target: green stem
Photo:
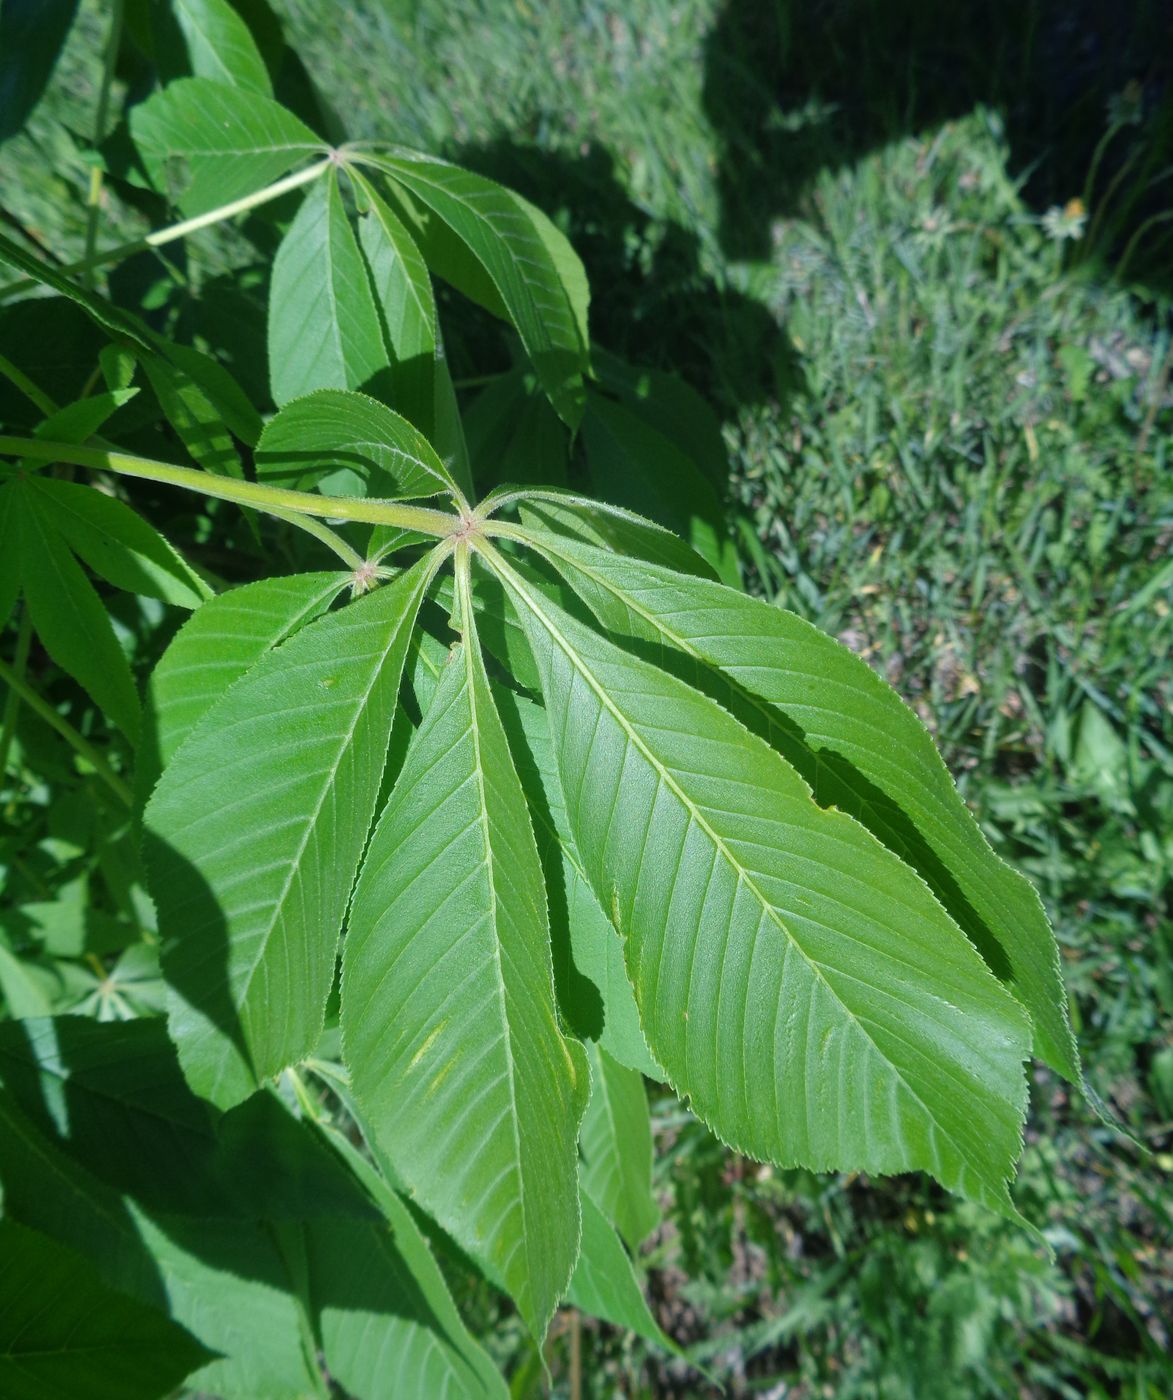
(21, 381)
(24, 637)
(350, 557)
(76, 741)
(94, 201)
(267, 498)
(162, 236)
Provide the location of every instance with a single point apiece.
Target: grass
(949, 439)
(949, 445)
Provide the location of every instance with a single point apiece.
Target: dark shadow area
(107, 1150)
(652, 301)
(793, 87)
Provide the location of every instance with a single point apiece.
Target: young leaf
(349, 445)
(118, 544)
(62, 1332)
(604, 1283)
(68, 615)
(859, 747)
(403, 292)
(220, 45)
(616, 1143)
(448, 1013)
(635, 465)
(503, 235)
(798, 982)
(324, 330)
(206, 144)
(254, 834)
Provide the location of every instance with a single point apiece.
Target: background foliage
(948, 422)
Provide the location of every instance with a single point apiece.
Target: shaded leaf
(63, 1332)
(118, 544)
(32, 33)
(534, 273)
(78, 421)
(194, 417)
(616, 1144)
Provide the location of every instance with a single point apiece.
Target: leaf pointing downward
(794, 978)
(448, 1001)
(255, 832)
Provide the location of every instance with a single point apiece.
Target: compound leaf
(255, 832)
(118, 544)
(796, 980)
(448, 1014)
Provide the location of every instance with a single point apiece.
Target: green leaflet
(118, 544)
(62, 1332)
(78, 421)
(224, 639)
(324, 330)
(403, 293)
(206, 143)
(533, 270)
(604, 1283)
(246, 1227)
(859, 747)
(448, 1011)
(514, 433)
(68, 615)
(10, 532)
(613, 528)
(348, 444)
(594, 993)
(616, 1144)
(254, 834)
(220, 46)
(198, 421)
(798, 982)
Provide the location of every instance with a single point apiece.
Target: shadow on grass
(794, 87)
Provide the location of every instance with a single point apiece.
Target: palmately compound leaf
(62, 1332)
(859, 747)
(533, 271)
(616, 1142)
(349, 444)
(118, 544)
(448, 1017)
(254, 834)
(324, 330)
(206, 143)
(798, 982)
